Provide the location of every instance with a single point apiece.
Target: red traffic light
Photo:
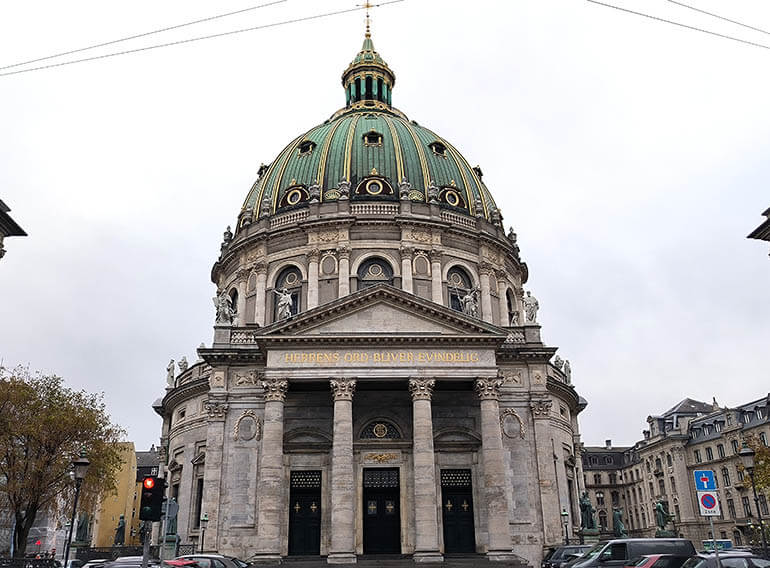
(149, 482)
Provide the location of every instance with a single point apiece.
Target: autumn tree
(43, 426)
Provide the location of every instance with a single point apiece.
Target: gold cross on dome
(366, 5)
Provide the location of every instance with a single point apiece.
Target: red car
(658, 561)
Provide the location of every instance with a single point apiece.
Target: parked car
(659, 561)
(620, 551)
(214, 561)
(129, 562)
(559, 556)
(727, 560)
(96, 563)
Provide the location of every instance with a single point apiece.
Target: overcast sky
(630, 155)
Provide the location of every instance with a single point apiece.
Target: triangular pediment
(382, 311)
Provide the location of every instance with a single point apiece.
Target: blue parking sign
(704, 480)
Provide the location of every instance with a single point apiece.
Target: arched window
(459, 284)
(233, 293)
(669, 462)
(600, 499)
(374, 271)
(603, 520)
(290, 280)
(380, 430)
(513, 315)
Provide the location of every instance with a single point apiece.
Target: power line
(720, 17)
(679, 24)
(143, 34)
(190, 40)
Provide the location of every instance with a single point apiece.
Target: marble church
(377, 383)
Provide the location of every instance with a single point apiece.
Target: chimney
(608, 444)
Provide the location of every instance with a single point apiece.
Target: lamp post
(80, 467)
(204, 522)
(747, 458)
(565, 522)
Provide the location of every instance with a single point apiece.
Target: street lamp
(80, 467)
(204, 522)
(565, 521)
(747, 458)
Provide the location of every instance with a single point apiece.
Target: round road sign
(708, 501)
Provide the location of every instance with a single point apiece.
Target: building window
(615, 499)
(697, 456)
(759, 413)
(763, 505)
(198, 503)
(726, 477)
(738, 538)
(709, 453)
(372, 138)
(720, 450)
(662, 486)
(676, 513)
(658, 464)
(289, 282)
(672, 482)
(736, 448)
(613, 478)
(731, 508)
(644, 519)
(306, 147)
(597, 478)
(652, 490)
(600, 499)
(594, 460)
(763, 438)
(717, 426)
(647, 463)
(460, 285)
(438, 148)
(608, 460)
(374, 271)
(669, 461)
(740, 475)
(513, 315)
(603, 520)
(746, 506)
(380, 430)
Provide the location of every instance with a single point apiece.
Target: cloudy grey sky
(630, 155)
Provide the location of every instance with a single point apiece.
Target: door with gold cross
(305, 513)
(457, 511)
(382, 511)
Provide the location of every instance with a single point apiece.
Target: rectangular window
(736, 449)
(697, 456)
(731, 508)
(662, 487)
(709, 454)
(720, 450)
(726, 476)
(763, 505)
(746, 506)
(613, 478)
(740, 475)
(672, 481)
(597, 478)
(198, 503)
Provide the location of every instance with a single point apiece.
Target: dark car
(620, 551)
(658, 561)
(215, 561)
(560, 555)
(129, 562)
(727, 560)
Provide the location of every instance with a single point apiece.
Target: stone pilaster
(499, 546)
(406, 269)
(216, 410)
(549, 494)
(312, 278)
(343, 490)
(240, 308)
(425, 496)
(270, 493)
(344, 271)
(261, 269)
(437, 290)
(485, 270)
(502, 287)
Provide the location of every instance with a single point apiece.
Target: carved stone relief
(247, 427)
(511, 424)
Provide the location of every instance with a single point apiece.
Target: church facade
(377, 383)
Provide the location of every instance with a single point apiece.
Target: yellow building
(119, 502)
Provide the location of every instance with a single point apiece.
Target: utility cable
(145, 34)
(720, 17)
(190, 40)
(679, 24)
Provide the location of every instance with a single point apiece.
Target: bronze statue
(617, 523)
(120, 533)
(586, 512)
(662, 517)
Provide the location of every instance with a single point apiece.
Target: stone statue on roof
(284, 305)
(531, 306)
(183, 364)
(224, 306)
(170, 374)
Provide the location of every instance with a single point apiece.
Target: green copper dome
(369, 151)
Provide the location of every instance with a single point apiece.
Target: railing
(450, 217)
(242, 337)
(374, 209)
(515, 336)
(288, 218)
(185, 549)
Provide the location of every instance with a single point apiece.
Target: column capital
(343, 251)
(421, 389)
(260, 267)
(242, 273)
(486, 268)
(436, 254)
(342, 389)
(275, 389)
(541, 408)
(313, 255)
(216, 409)
(406, 252)
(488, 388)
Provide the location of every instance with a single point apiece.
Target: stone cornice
(565, 392)
(183, 393)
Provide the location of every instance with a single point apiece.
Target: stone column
(544, 451)
(343, 490)
(498, 523)
(486, 299)
(261, 301)
(243, 276)
(437, 291)
(270, 486)
(425, 496)
(406, 270)
(343, 253)
(212, 473)
(502, 287)
(312, 278)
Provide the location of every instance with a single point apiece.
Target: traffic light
(151, 503)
